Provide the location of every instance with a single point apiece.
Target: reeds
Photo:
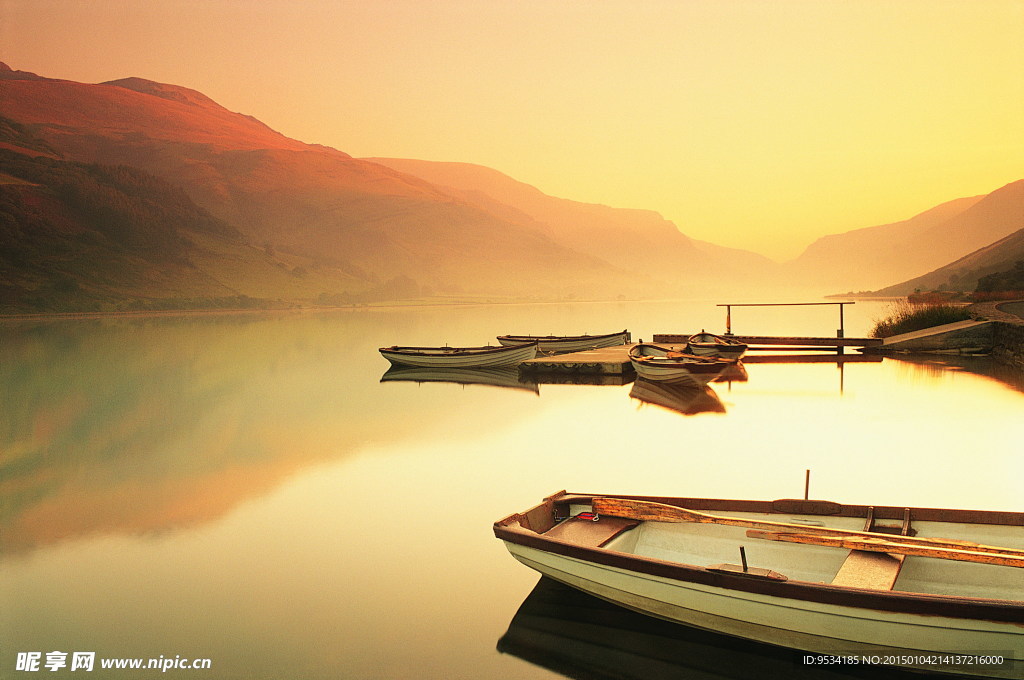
(905, 316)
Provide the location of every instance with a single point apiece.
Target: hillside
(640, 241)
(367, 222)
(87, 237)
(871, 258)
(964, 274)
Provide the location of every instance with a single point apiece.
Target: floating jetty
(614, 361)
(602, 361)
(781, 342)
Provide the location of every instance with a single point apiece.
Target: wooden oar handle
(660, 512)
(893, 547)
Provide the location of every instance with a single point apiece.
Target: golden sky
(758, 124)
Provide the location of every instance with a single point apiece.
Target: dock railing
(728, 311)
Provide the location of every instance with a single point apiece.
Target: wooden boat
(583, 637)
(459, 357)
(656, 362)
(709, 344)
(557, 344)
(929, 589)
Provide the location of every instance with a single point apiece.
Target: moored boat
(582, 637)
(709, 344)
(656, 362)
(557, 344)
(459, 357)
(938, 590)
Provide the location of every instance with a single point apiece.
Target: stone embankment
(995, 328)
(1007, 319)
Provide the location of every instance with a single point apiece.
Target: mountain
(640, 241)
(356, 223)
(871, 258)
(84, 237)
(964, 274)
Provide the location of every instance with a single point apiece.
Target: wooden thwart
(862, 569)
(588, 533)
(896, 545)
(659, 512)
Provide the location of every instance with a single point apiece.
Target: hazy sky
(757, 124)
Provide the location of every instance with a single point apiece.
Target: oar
(659, 512)
(896, 546)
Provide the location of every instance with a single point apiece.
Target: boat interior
(717, 546)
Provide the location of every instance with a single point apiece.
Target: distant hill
(867, 259)
(138, 193)
(640, 241)
(87, 237)
(963, 275)
(353, 219)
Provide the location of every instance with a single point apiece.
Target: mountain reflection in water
(585, 638)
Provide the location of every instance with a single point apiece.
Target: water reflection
(688, 397)
(216, 485)
(935, 365)
(142, 426)
(496, 377)
(585, 638)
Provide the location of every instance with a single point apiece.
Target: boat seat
(588, 533)
(873, 570)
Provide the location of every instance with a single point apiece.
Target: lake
(246, 489)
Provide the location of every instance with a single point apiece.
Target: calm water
(246, 489)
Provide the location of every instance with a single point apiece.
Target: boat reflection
(732, 373)
(496, 377)
(688, 397)
(582, 637)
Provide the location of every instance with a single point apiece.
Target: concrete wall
(1008, 343)
(961, 336)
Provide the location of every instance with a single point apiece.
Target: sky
(756, 124)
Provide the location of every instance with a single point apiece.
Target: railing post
(728, 319)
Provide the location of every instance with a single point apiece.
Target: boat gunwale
(451, 351)
(531, 339)
(716, 340)
(673, 357)
(512, 530)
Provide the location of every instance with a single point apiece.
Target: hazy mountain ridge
(641, 241)
(871, 258)
(963, 275)
(309, 201)
(309, 222)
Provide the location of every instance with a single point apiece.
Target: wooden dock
(603, 361)
(780, 342)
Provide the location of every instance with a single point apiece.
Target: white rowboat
(655, 362)
(709, 344)
(459, 357)
(557, 344)
(930, 589)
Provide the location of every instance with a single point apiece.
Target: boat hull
(835, 630)
(554, 344)
(709, 344)
(668, 371)
(671, 558)
(459, 357)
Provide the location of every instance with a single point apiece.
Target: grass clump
(905, 317)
